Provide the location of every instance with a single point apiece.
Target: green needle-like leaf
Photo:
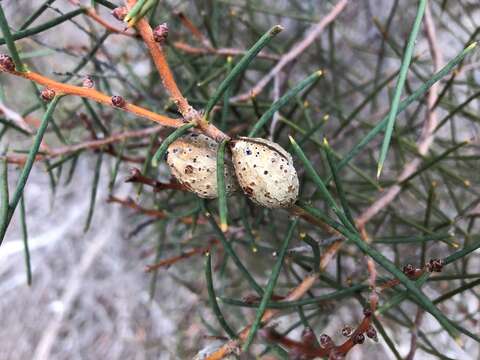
(135, 10)
(93, 194)
(283, 100)
(10, 41)
(221, 189)
(231, 252)
(407, 58)
(22, 180)
(213, 298)
(404, 104)
(26, 248)
(4, 196)
(241, 66)
(272, 281)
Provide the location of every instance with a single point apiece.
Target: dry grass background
(89, 298)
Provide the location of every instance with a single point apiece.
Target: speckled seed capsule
(192, 159)
(265, 172)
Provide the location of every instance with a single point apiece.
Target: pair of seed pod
(261, 168)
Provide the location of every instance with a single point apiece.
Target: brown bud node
(6, 63)
(372, 333)
(347, 331)
(119, 13)
(326, 341)
(88, 82)
(160, 33)
(435, 265)
(118, 101)
(358, 338)
(47, 94)
(409, 270)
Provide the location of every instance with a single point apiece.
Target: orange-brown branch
(92, 94)
(193, 29)
(162, 66)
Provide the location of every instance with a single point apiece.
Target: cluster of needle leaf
(383, 129)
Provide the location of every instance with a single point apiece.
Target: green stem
(283, 100)
(404, 104)
(23, 222)
(270, 286)
(423, 300)
(241, 66)
(45, 26)
(407, 58)
(221, 190)
(27, 168)
(213, 298)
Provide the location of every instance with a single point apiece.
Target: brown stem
(184, 255)
(92, 94)
(137, 177)
(219, 51)
(193, 29)
(150, 212)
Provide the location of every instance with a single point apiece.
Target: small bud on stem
(409, 270)
(6, 63)
(88, 82)
(160, 33)
(118, 101)
(435, 265)
(47, 94)
(358, 338)
(119, 13)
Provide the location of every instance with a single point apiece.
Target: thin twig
(220, 51)
(269, 314)
(294, 53)
(95, 95)
(90, 145)
(426, 137)
(184, 255)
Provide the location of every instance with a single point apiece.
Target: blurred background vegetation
(91, 234)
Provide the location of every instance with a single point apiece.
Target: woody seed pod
(265, 172)
(192, 159)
